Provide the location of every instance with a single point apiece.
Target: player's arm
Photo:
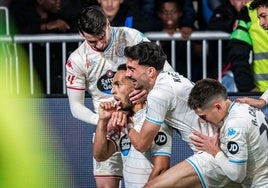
(78, 108)
(104, 147)
(142, 140)
(259, 103)
(233, 169)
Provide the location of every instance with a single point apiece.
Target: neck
(137, 107)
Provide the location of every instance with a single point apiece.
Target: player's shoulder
(78, 54)
(129, 33)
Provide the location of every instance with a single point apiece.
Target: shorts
(111, 168)
(209, 172)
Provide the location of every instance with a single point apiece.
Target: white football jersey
(137, 166)
(94, 71)
(244, 140)
(167, 103)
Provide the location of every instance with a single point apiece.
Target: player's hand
(116, 124)
(113, 131)
(138, 96)
(206, 143)
(118, 118)
(258, 103)
(106, 110)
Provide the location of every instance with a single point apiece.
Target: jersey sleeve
(158, 103)
(78, 108)
(76, 71)
(264, 96)
(233, 160)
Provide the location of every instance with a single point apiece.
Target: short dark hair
(257, 3)
(204, 92)
(148, 54)
(159, 4)
(92, 20)
(122, 67)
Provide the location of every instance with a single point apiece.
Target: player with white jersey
(91, 67)
(138, 167)
(174, 112)
(94, 70)
(242, 154)
(167, 98)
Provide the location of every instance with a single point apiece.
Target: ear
(152, 72)
(218, 106)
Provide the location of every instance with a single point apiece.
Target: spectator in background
(262, 11)
(121, 14)
(205, 10)
(170, 13)
(223, 19)
(246, 38)
(38, 16)
(42, 17)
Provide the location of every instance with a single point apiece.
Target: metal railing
(13, 59)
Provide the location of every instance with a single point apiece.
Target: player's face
(100, 42)
(138, 74)
(212, 114)
(262, 13)
(110, 7)
(122, 87)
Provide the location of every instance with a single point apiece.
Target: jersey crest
(105, 82)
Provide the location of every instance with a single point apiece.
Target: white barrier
(63, 39)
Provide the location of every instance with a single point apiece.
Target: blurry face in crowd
(53, 6)
(110, 7)
(122, 87)
(100, 42)
(170, 15)
(238, 4)
(262, 13)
